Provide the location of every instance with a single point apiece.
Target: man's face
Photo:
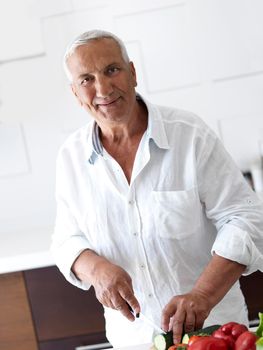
(102, 81)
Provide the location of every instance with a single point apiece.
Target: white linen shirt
(186, 199)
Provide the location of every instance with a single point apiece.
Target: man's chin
(111, 118)
(110, 114)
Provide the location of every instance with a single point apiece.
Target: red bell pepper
(208, 343)
(237, 330)
(228, 338)
(227, 328)
(246, 341)
(234, 329)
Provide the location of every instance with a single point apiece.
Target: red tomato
(193, 339)
(172, 347)
(209, 343)
(178, 347)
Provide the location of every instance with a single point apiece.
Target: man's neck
(122, 142)
(118, 133)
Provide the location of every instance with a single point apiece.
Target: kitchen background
(201, 55)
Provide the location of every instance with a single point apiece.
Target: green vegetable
(259, 331)
(201, 332)
(259, 344)
(163, 341)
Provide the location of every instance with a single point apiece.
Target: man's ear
(133, 73)
(73, 89)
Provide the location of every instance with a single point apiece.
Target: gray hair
(84, 38)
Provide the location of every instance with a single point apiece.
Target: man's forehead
(101, 45)
(95, 55)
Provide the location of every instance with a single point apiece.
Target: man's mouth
(107, 103)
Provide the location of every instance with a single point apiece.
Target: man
(152, 212)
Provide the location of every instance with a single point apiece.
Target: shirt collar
(155, 131)
(94, 144)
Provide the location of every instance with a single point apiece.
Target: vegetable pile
(230, 336)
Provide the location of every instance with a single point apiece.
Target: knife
(147, 320)
(152, 324)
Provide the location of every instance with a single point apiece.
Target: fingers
(120, 297)
(200, 318)
(168, 312)
(174, 318)
(185, 313)
(127, 311)
(178, 326)
(130, 306)
(132, 302)
(114, 289)
(190, 321)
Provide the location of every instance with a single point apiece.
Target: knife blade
(152, 324)
(147, 320)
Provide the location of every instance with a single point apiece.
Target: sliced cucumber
(163, 341)
(185, 338)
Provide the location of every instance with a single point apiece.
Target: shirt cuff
(65, 254)
(236, 244)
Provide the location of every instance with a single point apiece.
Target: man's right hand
(112, 284)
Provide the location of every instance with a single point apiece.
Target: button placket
(135, 226)
(135, 231)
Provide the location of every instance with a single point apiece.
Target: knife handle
(131, 310)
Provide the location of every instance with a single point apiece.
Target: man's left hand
(185, 313)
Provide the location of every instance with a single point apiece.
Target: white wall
(202, 55)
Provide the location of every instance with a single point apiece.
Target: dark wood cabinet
(252, 287)
(64, 316)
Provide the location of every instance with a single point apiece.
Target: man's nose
(103, 86)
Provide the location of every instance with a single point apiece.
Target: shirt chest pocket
(176, 213)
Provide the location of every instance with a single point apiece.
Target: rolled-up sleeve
(237, 245)
(232, 205)
(67, 240)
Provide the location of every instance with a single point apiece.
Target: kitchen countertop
(148, 346)
(26, 261)
(25, 248)
(136, 347)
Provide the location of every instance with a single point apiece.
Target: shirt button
(150, 295)
(131, 202)
(142, 266)
(135, 234)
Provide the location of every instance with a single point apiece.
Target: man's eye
(86, 81)
(112, 70)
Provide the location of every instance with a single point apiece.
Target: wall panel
(20, 30)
